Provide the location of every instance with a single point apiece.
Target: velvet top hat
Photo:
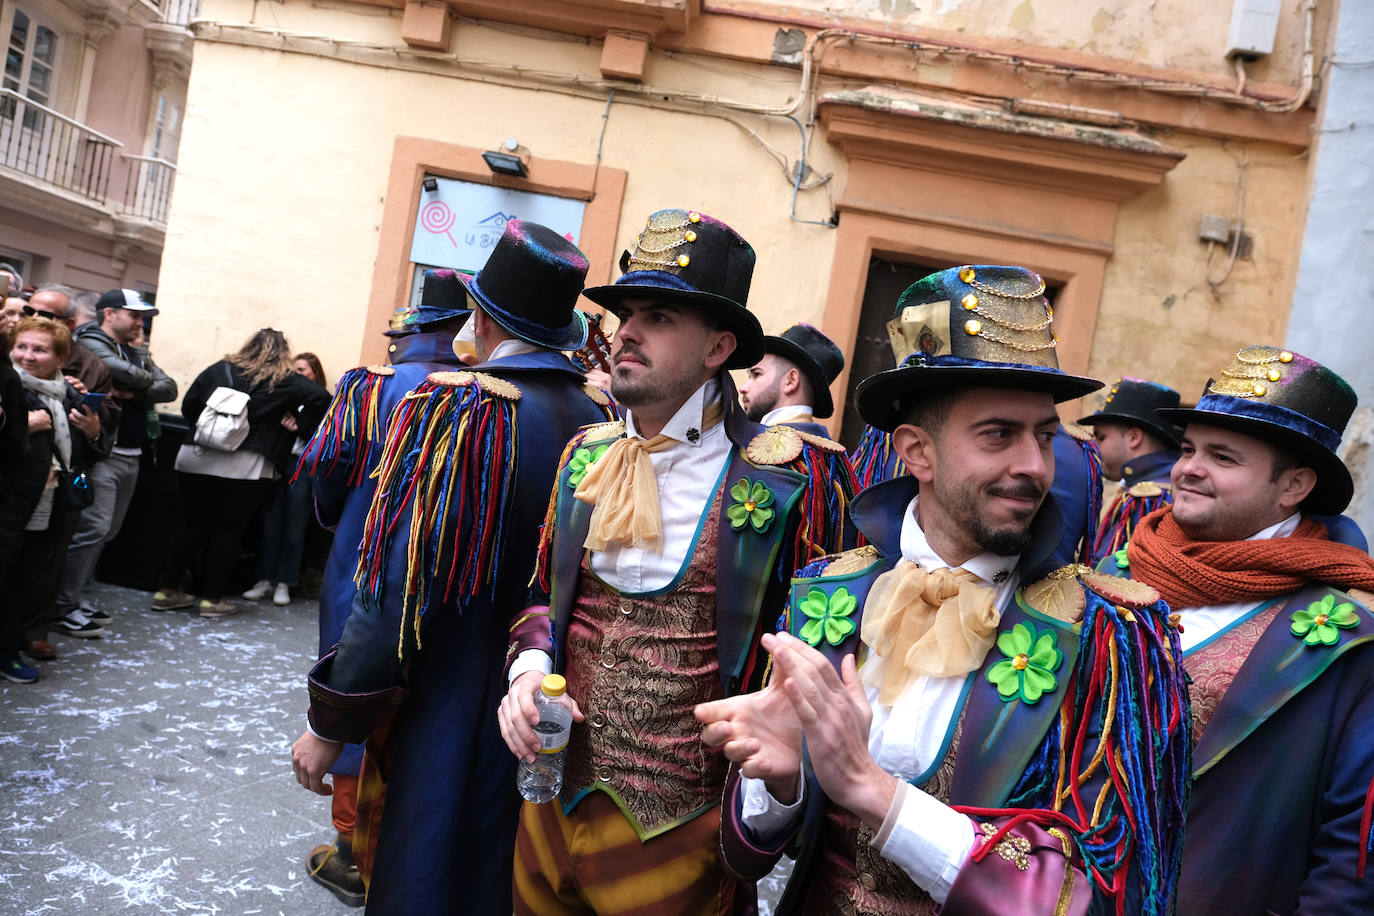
(443, 296)
(1291, 401)
(971, 326)
(1133, 401)
(816, 356)
(687, 257)
(530, 285)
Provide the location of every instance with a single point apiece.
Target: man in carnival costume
(1277, 637)
(976, 741)
(447, 549)
(668, 545)
(339, 461)
(791, 384)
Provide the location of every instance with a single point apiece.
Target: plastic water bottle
(540, 781)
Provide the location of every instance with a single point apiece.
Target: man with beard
(956, 724)
(666, 552)
(1276, 638)
(791, 384)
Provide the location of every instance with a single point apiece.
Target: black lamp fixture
(506, 161)
(430, 184)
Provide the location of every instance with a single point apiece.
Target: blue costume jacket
(1005, 741)
(339, 461)
(470, 459)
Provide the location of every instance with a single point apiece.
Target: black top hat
(971, 326)
(443, 296)
(816, 356)
(530, 285)
(687, 257)
(1133, 401)
(1291, 401)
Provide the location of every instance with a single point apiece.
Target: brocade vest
(1214, 666)
(857, 880)
(638, 664)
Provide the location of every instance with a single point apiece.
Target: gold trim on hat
(657, 247)
(1249, 374)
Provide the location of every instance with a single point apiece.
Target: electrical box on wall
(1253, 26)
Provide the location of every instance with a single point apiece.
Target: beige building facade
(90, 117)
(856, 145)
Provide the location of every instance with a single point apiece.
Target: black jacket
(267, 404)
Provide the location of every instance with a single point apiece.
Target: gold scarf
(940, 623)
(623, 491)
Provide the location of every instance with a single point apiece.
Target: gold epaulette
(852, 561)
(1060, 594)
(775, 445)
(379, 369)
(829, 446)
(611, 429)
(1081, 433)
(497, 387)
(1146, 489)
(597, 396)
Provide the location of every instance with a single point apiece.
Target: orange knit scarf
(1198, 573)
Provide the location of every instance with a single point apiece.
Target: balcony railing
(53, 149)
(179, 12)
(149, 188)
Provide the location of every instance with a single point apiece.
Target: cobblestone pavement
(149, 771)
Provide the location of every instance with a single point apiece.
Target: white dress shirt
(929, 840)
(1202, 623)
(786, 414)
(688, 474)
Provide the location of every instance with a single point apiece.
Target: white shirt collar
(783, 414)
(990, 568)
(1280, 530)
(512, 347)
(688, 418)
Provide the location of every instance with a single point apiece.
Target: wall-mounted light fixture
(507, 161)
(430, 184)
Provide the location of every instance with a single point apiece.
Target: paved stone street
(149, 771)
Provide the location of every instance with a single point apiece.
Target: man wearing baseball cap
(138, 385)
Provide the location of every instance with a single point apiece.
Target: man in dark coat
(447, 551)
(791, 384)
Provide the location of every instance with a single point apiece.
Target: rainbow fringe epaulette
(1128, 678)
(1092, 471)
(824, 507)
(1125, 514)
(449, 464)
(351, 420)
(873, 460)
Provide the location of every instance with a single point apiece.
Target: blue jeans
(283, 532)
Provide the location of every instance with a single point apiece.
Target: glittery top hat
(687, 257)
(1291, 401)
(530, 285)
(1133, 401)
(972, 326)
(442, 296)
(816, 356)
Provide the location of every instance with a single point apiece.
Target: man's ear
(916, 448)
(791, 380)
(1295, 484)
(723, 343)
(1134, 436)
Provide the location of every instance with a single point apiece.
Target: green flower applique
(752, 506)
(828, 616)
(582, 461)
(1121, 561)
(1031, 660)
(1319, 624)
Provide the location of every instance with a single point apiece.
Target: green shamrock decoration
(828, 616)
(1319, 622)
(582, 461)
(1031, 660)
(751, 507)
(1120, 557)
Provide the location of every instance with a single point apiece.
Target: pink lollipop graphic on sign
(437, 218)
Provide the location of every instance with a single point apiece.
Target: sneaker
(12, 669)
(94, 614)
(75, 623)
(282, 594)
(40, 650)
(333, 867)
(170, 599)
(259, 591)
(210, 608)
